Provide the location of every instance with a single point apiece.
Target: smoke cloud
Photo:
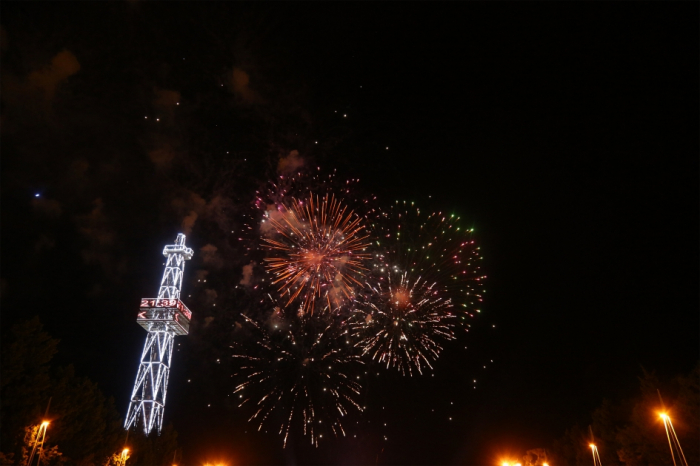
(247, 279)
(290, 163)
(165, 99)
(240, 81)
(162, 157)
(188, 222)
(63, 65)
(48, 207)
(210, 258)
(210, 296)
(97, 229)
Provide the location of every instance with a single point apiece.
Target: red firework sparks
(318, 251)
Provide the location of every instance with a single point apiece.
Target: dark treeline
(630, 431)
(85, 427)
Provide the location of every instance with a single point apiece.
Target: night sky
(566, 135)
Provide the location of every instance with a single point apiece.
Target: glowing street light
(596, 456)
(123, 456)
(673, 440)
(41, 432)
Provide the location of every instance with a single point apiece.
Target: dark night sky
(567, 134)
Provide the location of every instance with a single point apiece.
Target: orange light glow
(591, 445)
(403, 297)
(45, 423)
(663, 416)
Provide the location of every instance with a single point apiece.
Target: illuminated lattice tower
(163, 317)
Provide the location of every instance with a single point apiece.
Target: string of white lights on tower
(164, 318)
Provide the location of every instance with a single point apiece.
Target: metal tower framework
(163, 317)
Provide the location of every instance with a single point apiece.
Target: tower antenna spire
(164, 318)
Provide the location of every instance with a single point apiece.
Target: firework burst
(425, 281)
(298, 373)
(435, 247)
(316, 252)
(401, 323)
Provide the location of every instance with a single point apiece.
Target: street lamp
(506, 463)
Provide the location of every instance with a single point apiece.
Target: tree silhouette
(85, 425)
(630, 432)
(25, 381)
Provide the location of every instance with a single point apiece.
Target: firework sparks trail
(299, 373)
(318, 252)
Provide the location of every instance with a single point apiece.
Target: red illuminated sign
(165, 303)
